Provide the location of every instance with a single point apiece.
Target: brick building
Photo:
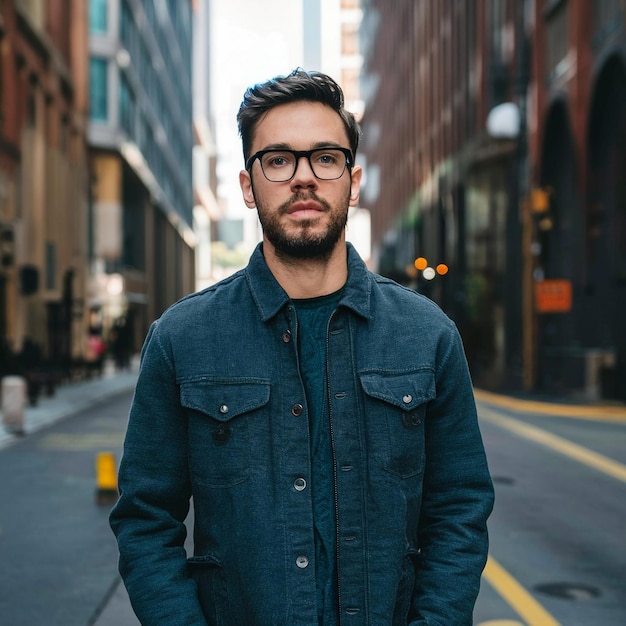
(43, 175)
(506, 213)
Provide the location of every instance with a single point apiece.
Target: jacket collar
(270, 297)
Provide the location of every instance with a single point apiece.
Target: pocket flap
(224, 399)
(405, 390)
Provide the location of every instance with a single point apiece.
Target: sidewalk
(71, 398)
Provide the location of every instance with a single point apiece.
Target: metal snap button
(302, 562)
(223, 409)
(287, 336)
(297, 409)
(407, 398)
(299, 484)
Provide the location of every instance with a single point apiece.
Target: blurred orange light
(411, 271)
(442, 269)
(421, 263)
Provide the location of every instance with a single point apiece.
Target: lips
(304, 206)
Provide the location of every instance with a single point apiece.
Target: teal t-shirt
(313, 317)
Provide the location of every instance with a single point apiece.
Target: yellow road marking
(605, 413)
(516, 596)
(563, 446)
(82, 441)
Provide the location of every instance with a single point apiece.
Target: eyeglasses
(279, 166)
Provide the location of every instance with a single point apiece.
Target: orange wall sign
(553, 296)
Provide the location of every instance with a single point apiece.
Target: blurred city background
(494, 156)
(494, 150)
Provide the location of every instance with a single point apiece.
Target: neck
(308, 278)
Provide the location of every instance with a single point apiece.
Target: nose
(303, 176)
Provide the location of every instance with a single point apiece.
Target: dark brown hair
(300, 85)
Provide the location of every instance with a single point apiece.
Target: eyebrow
(315, 146)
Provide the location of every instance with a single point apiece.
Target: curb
(69, 399)
(601, 412)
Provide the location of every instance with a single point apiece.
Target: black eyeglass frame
(298, 154)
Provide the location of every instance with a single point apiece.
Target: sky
(252, 41)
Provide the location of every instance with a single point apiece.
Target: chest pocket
(395, 408)
(219, 414)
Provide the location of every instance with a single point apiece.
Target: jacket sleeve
(457, 497)
(148, 519)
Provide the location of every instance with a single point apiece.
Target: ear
(355, 185)
(245, 182)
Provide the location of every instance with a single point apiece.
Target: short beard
(305, 245)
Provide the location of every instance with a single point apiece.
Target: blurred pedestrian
(30, 366)
(120, 344)
(31, 355)
(96, 351)
(321, 417)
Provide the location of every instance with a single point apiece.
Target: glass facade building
(141, 138)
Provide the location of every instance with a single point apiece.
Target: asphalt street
(557, 541)
(558, 549)
(59, 557)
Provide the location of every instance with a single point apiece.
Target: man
(320, 416)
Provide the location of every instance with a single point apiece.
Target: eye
(277, 160)
(326, 158)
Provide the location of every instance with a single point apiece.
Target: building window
(64, 135)
(31, 110)
(36, 10)
(51, 265)
(556, 39)
(99, 86)
(608, 18)
(127, 25)
(98, 16)
(127, 107)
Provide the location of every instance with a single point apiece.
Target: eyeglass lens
(280, 165)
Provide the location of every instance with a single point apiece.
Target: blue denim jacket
(220, 416)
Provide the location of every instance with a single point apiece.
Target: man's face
(303, 217)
